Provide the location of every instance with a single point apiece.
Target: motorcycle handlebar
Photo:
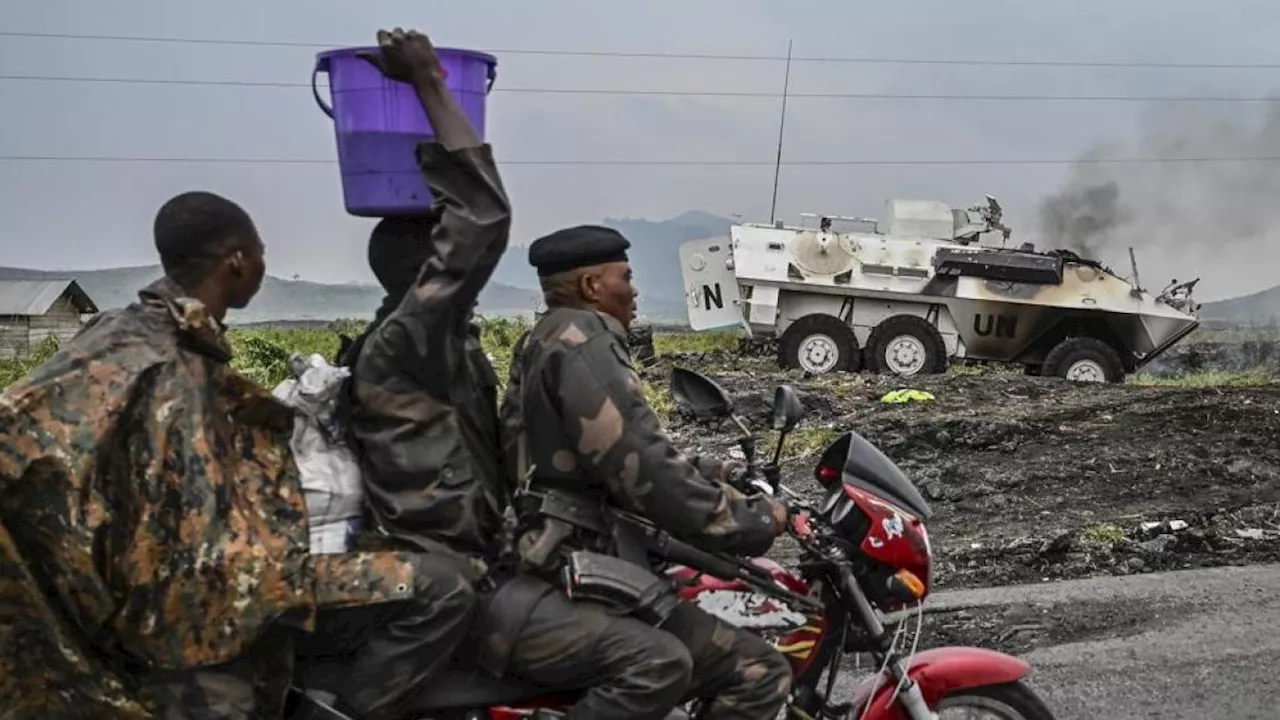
(752, 478)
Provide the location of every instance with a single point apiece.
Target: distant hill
(512, 291)
(1260, 308)
(654, 244)
(278, 300)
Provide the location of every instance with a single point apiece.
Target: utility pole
(782, 123)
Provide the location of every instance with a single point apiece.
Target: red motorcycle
(864, 551)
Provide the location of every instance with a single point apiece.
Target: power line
(660, 163)
(687, 56)
(691, 93)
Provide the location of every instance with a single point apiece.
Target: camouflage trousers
(396, 648)
(638, 672)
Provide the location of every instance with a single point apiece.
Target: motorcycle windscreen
(873, 471)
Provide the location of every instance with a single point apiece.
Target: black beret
(577, 247)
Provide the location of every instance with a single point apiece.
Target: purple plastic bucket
(378, 123)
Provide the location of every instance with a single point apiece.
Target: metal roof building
(32, 310)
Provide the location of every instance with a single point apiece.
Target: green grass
(1233, 335)
(841, 385)
(803, 442)
(695, 342)
(14, 369)
(659, 399)
(982, 368)
(263, 353)
(1254, 377)
(1105, 534)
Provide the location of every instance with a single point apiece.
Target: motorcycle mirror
(787, 409)
(699, 394)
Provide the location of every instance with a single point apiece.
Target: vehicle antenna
(777, 167)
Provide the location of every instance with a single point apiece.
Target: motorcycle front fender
(939, 672)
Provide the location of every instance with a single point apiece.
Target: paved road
(1214, 656)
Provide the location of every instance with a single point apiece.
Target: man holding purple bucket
(423, 417)
(421, 411)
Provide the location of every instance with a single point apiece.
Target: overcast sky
(83, 215)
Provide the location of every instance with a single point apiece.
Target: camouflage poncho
(151, 514)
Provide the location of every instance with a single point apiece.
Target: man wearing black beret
(576, 422)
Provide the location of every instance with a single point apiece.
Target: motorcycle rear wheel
(1010, 701)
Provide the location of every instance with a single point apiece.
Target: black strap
(631, 542)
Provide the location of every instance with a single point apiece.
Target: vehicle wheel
(819, 344)
(1012, 701)
(906, 345)
(1084, 359)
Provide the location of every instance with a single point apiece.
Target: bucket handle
(322, 66)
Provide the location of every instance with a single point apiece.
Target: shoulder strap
(342, 412)
(524, 472)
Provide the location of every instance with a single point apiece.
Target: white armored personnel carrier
(908, 293)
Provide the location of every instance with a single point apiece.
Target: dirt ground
(1033, 479)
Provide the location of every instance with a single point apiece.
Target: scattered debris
(904, 396)
(1159, 544)
(1038, 479)
(1257, 533)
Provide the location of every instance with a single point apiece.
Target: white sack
(331, 480)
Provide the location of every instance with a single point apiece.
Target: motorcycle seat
(455, 688)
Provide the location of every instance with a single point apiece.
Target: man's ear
(589, 286)
(235, 262)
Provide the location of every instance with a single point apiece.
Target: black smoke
(1223, 190)
(1081, 218)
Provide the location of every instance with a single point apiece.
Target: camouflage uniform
(588, 430)
(424, 416)
(434, 477)
(151, 523)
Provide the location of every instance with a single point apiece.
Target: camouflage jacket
(424, 413)
(587, 427)
(151, 512)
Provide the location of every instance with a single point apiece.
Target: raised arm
(409, 57)
(470, 235)
(619, 441)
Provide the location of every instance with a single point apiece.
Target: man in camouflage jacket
(433, 477)
(153, 539)
(423, 404)
(639, 342)
(577, 411)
